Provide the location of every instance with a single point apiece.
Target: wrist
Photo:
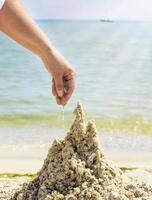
(46, 51)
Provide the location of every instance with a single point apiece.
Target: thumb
(59, 85)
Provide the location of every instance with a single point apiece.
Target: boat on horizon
(106, 20)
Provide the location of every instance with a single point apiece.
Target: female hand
(63, 76)
(17, 24)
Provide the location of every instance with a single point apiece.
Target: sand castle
(77, 169)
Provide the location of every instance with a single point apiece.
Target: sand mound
(76, 169)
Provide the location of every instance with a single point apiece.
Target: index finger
(70, 88)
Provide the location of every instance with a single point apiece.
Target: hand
(63, 76)
(16, 23)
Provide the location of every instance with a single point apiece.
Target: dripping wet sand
(76, 168)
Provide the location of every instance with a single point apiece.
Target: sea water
(113, 63)
(114, 80)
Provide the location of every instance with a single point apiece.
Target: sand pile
(76, 169)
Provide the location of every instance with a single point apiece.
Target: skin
(17, 24)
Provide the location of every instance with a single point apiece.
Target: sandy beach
(22, 160)
(8, 186)
(13, 172)
(20, 163)
(76, 167)
(23, 148)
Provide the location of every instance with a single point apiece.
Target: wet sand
(8, 186)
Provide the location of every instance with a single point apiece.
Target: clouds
(88, 9)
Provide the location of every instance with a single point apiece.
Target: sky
(90, 9)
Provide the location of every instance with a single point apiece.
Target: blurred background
(110, 45)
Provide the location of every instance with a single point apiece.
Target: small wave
(29, 119)
(127, 124)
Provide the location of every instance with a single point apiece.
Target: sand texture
(8, 186)
(77, 169)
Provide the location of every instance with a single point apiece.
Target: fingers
(61, 101)
(70, 86)
(59, 85)
(54, 92)
(63, 88)
(58, 100)
(70, 89)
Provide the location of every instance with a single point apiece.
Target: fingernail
(60, 93)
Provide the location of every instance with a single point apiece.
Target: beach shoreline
(10, 182)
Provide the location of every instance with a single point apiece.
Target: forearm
(17, 24)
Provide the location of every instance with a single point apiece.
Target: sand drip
(77, 169)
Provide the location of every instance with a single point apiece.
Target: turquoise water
(114, 75)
